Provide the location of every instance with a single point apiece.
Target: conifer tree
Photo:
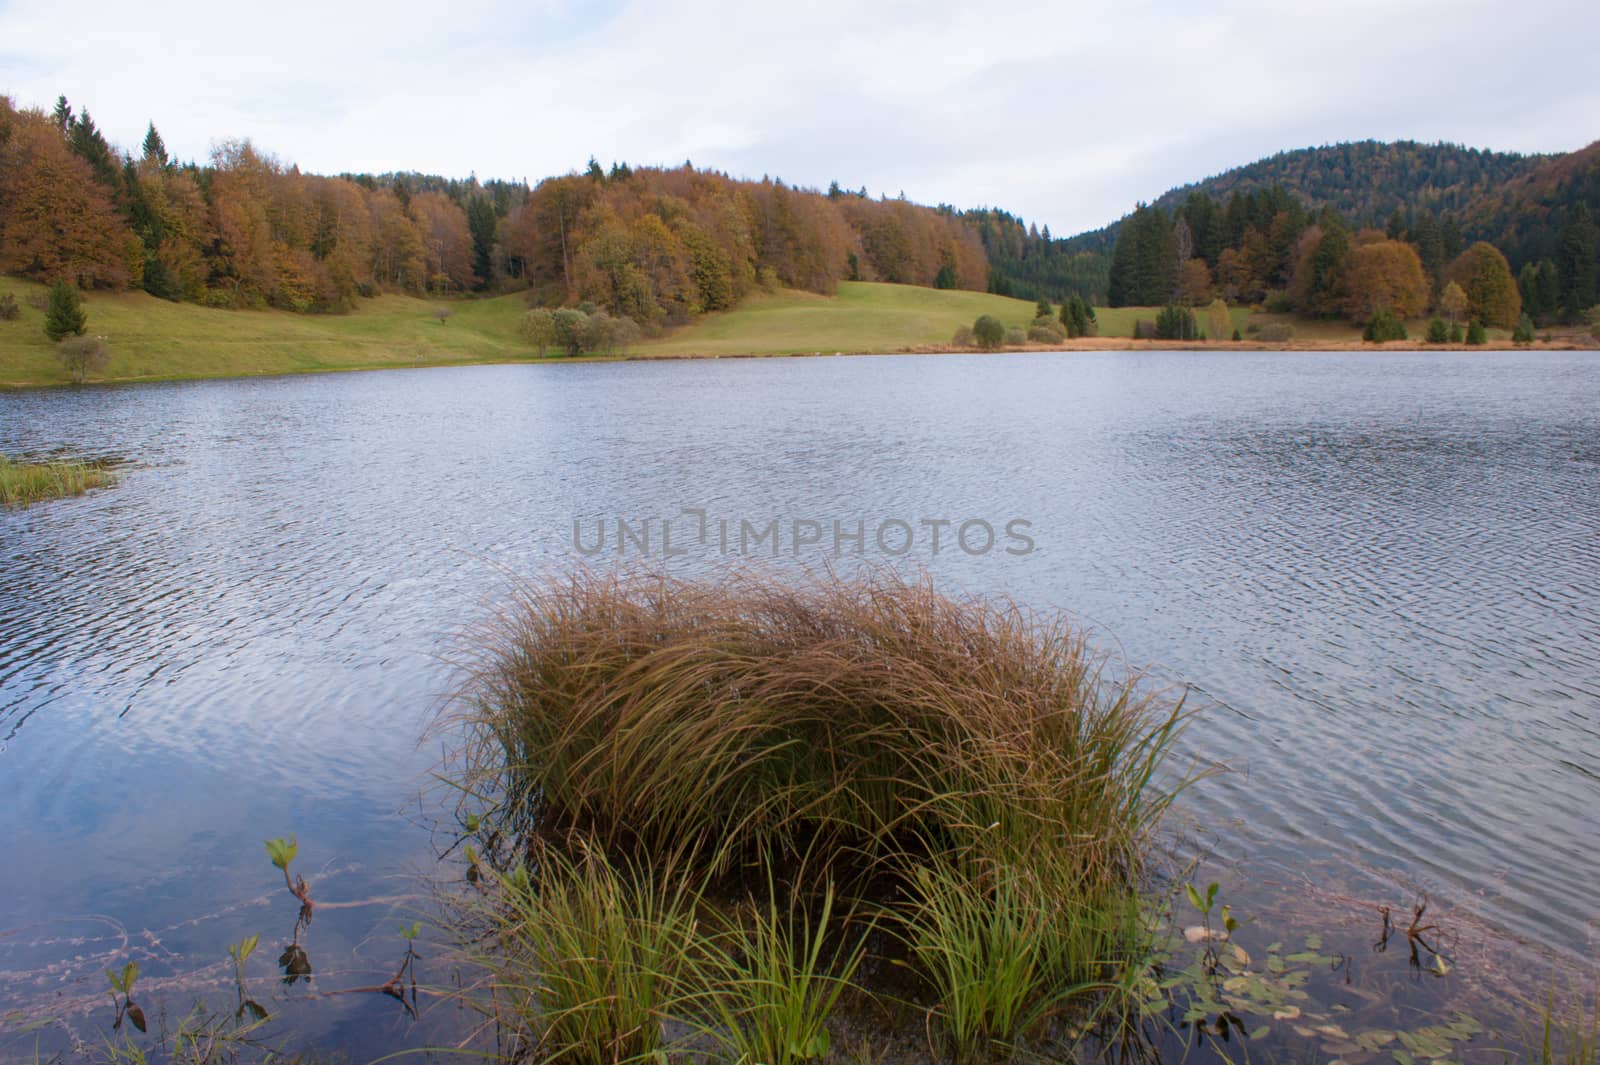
(154, 150)
(65, 315)
(1580, 245)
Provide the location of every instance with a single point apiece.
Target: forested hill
(1523, 204)
(1530, 216)
(1367, 181)
(656, 245)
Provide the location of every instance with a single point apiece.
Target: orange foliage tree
(56, 220)
(1381, 274)
(1485, 276)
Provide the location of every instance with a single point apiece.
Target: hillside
(1366, 181)
(861, 318)
(1527, 217)
(153, 339)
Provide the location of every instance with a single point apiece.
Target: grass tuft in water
(22, 483)
(771, 986)
(588, 958)
(969, 773)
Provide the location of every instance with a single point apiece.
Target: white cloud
(1064, 114)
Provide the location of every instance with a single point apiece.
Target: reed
(840, 717)
(771, 985)
(588, 960)
(22, 483)
(971, 774)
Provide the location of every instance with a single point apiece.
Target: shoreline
(1080, 345)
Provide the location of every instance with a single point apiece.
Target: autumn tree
(1453, 302)
(1219, 323)
(446, 242)
(1384, 274)
(1485, 277)
(57, 220)
(1194, 282)
(1236, 278)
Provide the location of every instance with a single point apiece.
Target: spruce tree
(1476, 334)
(1384, 327)
(65, 315)
(154, 149)
(1580, 274)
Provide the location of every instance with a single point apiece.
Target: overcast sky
(1064, 113)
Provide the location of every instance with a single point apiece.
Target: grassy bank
(22, 483)
(861, 318)
(845, 776)
(152, 339)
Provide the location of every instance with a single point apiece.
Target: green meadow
(863, 317)
(152, 339)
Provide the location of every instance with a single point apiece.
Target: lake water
(1378, 574)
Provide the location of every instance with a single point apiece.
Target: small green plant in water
(282, 852)
(122, 984)
(240, 953)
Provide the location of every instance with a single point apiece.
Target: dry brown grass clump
(850, 717)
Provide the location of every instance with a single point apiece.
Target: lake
(1377, 575)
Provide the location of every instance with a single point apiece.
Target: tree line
(654, 245)
(1268, 247)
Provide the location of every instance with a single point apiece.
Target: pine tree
(1438, 332)
(1580, 244)
(1384, 327)
(154, 150)
(481, 223)
(65, 315)
(1476, 334)
(62, 115)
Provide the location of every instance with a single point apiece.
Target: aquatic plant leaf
(1261, 1033)
(136, 1015)
(1194, 897)
(257, 1010)
(282, 851)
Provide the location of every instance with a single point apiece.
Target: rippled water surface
(1380, 574)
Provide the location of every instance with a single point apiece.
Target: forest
(1338, 231)
(659, 246)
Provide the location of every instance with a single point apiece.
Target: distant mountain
(1367, 181)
